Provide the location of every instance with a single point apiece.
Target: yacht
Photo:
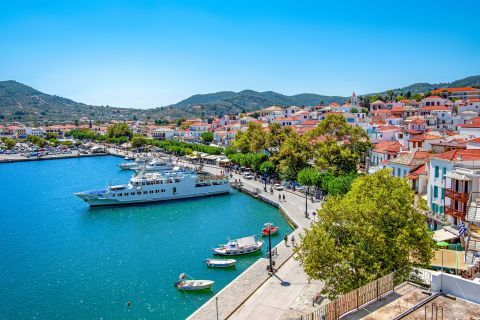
(158, 186)
(156, 165)
(238, 247)
(133, 165)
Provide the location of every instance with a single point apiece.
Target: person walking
(293, 241)
(279, 198)
(285, 238)
(284, 197)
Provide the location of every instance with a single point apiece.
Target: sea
(60, 259)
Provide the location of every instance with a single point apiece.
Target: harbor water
(59, 259)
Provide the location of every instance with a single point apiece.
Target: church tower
(354, 100)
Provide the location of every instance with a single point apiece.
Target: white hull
(221, 263)
(194, 285)
(96, 202)
(155, 187)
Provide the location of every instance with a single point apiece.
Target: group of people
(285, 238)
(280, 197)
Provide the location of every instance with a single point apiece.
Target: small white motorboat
(192, 284)
(240, 246)
(220, 263)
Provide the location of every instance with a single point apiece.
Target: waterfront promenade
(257, 295)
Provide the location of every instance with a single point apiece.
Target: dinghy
(192, 284)
(220, 263)
(273, 229)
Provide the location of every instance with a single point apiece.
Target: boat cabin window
(174, 190)
(144, 192)
(139, 192)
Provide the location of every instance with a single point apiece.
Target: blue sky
(153, 53)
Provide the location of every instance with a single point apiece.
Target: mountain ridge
(19, 102)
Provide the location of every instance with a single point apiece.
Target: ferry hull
(98, 202)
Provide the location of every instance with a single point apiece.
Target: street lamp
(306, 202)
(269, 226)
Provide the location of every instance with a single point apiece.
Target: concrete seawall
(4, 159)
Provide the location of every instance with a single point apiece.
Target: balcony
(459, 196)
(455, 213)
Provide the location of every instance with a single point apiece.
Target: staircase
(472, 242)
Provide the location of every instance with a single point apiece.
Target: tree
(138, 141)
(9, 143)
(119, 130)
(293, 156)
(251, 140)
(307, 177)
(369, 232)
(207, 136)
(40, 142)
(338, 145)
(267, 168)
(276, 136)
(51, 135)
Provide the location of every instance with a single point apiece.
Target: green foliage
(207, 136)
(354, 110)
(229, 150)
(369, 232)
(83, 134)
(183, 148)
(37, 140)
(335, 185)
(338, 146)
(9, 143)
(250, 160)
(308, 177)
(268, 168)
(251, 140)
(51, 135)
(138, 141)
(119, 130)
(293, 156)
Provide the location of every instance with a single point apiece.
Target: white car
(278, 187)
(248, 176)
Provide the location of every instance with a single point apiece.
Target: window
(139, 192)
(444, 172)
(144, 192)
(398, 172)
(435, 192)
(436, 171)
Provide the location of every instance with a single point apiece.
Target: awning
(443, 235)
(457, 176)
(449, 259)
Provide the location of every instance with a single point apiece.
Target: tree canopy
(119, 130)
(207, 136)
(372, 230)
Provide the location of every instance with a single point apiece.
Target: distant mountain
(244, 101)
(19, 102)
(425, 87)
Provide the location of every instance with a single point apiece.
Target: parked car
(278, 187)
(248, 176)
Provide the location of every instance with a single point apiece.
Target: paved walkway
(255, 294)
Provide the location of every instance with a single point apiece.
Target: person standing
(285, 238)
(284, 197)
(279, 198)
(293, 241)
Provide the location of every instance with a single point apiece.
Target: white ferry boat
(155, 186)
(156, 165)
(133, 165)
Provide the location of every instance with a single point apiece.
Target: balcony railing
(455, 212)
(460, 196)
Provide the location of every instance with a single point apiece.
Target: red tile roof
(398, 109)
(450, 90)
(435, 108)
(388, 147)
(453, 155)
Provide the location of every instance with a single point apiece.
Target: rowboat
(238, 247)
(273, 230)
(192, 284)
(220, 263)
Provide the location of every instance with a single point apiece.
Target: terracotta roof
(466, 154)
(432, 97)
(435, 108)
(476, 140)
(382, 111)
(417, 121)
(450, 90)
(388, 128)
(470, 125)
(310, 123)
(398, 109)
(423, 137)
(412, 158)
(388, 147)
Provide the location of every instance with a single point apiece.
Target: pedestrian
(284, 197)
(279, 198)
(285, 238)
(293, 241)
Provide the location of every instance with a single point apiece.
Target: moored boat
(220, 263)
(192, 284)
(273, 229)
(239, 246)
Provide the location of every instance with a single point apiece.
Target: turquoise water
(61, 260)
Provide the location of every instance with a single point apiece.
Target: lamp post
(306, 202)
(269, 226)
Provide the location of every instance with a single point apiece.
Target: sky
(153, 53)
